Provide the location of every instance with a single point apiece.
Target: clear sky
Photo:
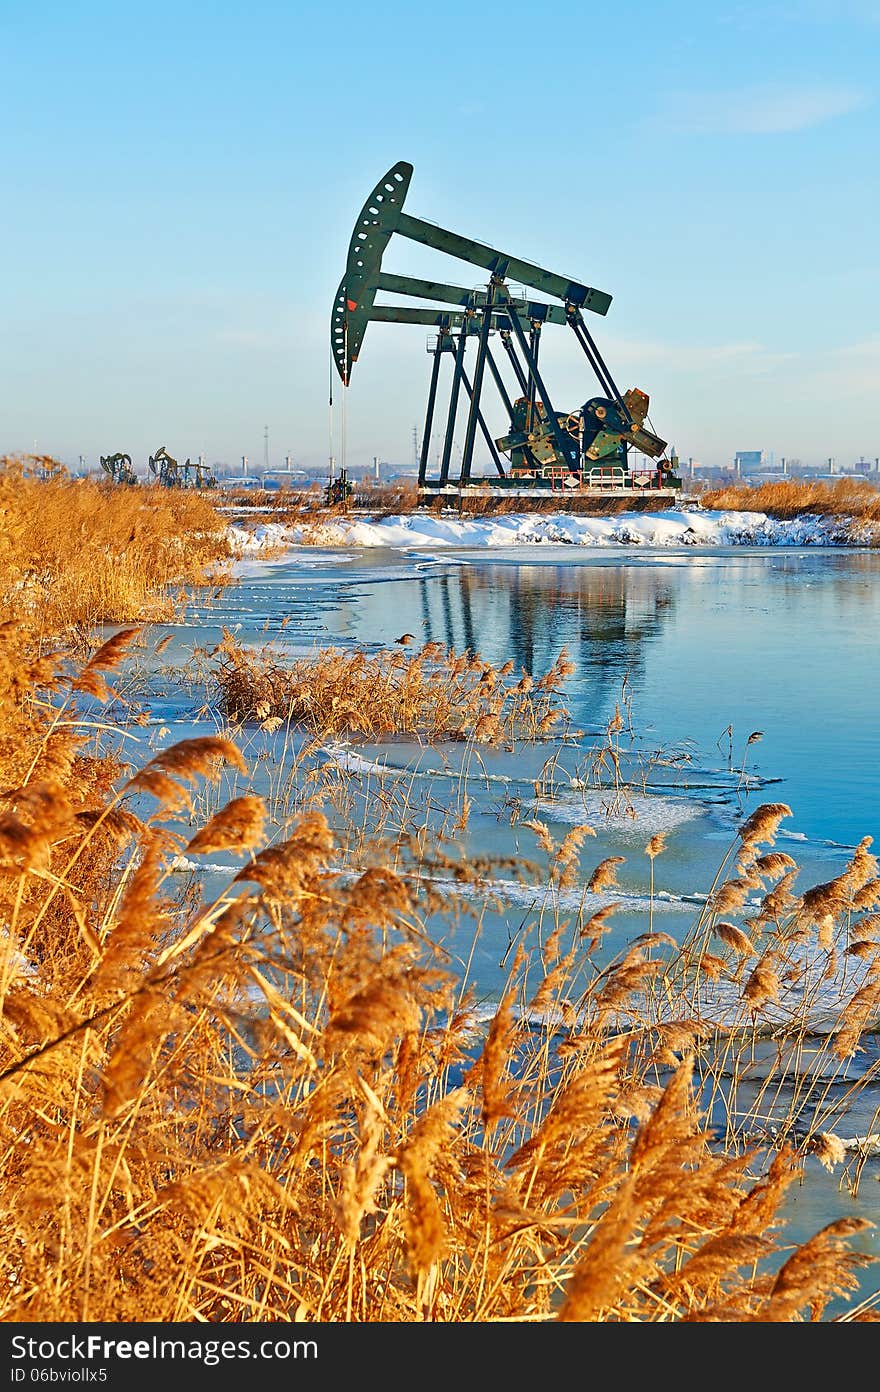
(180, 183)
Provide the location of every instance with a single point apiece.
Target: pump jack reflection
(605, 616)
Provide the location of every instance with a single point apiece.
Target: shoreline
(674, 527)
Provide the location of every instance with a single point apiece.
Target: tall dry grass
(278, 1102)
(608, 505)
(432, 692)
(75, 553)
(300, 503)
(794, 497)
(389, 499)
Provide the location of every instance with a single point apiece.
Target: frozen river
(707, 647)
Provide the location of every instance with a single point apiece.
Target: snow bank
(673, 527)
(264, 538)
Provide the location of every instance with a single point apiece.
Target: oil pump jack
(170, 474)
(604, 443)
(118, 468)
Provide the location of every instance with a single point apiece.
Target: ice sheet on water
(632, 814)
(180, 865)
(323, 559)
(345, 758)
(816, 987)
(541, 897)
(405, 759)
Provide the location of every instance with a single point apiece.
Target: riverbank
(690, 525)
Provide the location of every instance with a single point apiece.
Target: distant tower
(416, 445)
(244, 465)
(266, 448)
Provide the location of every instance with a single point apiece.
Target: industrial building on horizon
(761, 466)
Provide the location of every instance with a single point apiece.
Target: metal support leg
(453, 403)
(429, 414)
(479, 369)
(499, 382)
(606, 381)
(487, 434)
(534, 344)
(520, 375)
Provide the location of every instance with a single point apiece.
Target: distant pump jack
(170, 474)
(118, 468)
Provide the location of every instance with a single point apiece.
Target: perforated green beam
(357, 289)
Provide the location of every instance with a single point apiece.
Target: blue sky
(180, 183)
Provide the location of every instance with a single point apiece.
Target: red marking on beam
(351, 305)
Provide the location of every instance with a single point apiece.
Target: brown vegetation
(277, 1101)
(794, 497)
(297, 504)
(433, 693)
(77, 552)
(613, 503)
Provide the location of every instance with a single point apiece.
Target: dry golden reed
(278, 1102)
(75, 553)
(433, 692)
(791, 498)
(605, 875)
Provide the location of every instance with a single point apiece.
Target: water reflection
(604, 616)
(707, 642)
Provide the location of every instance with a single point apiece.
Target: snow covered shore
(674, 527)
